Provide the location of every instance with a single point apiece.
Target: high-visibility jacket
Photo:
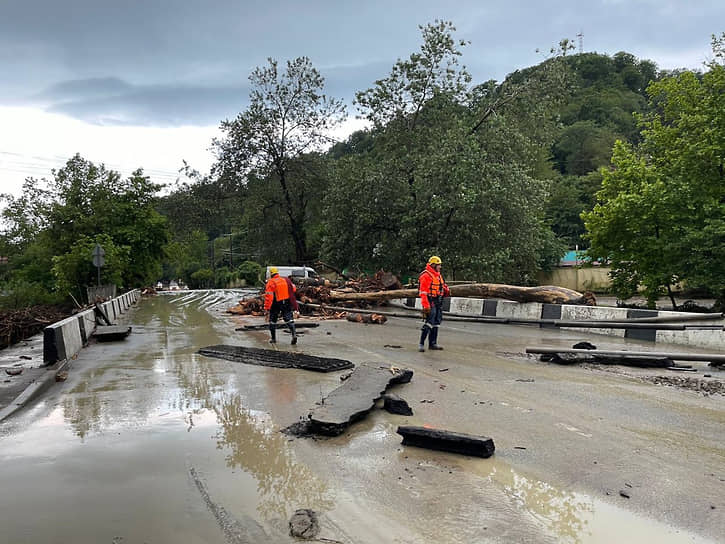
(277, 289)
(431, 284)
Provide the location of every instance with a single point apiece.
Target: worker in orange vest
(432, 289)
(279, 298)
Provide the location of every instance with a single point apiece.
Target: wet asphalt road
(149, 442)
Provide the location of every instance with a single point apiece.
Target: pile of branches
(17, 325)
(317, 291)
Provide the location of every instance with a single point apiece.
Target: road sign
(98, 253)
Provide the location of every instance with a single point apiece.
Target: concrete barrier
(708, 338)
(516, 310)
(473, 306)
(594, 313)
(63, 340)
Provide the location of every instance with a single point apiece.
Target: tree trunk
(545, 293)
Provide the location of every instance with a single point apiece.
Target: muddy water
(149, 442)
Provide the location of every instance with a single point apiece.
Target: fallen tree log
(374, 317)
(411, 314)
(546, 293)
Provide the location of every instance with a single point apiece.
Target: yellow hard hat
(434, 260)
(273, 270)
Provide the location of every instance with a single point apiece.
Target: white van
(294, 272)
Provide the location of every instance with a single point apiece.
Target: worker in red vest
(432, 289)
(279, 298)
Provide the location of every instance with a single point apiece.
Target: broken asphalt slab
(438, 439)
(275, 358)
(354, 398)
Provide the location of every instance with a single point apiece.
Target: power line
(32, 165)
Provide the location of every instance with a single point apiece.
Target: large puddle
(148, 441)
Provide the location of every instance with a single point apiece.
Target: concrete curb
(33, 390)
(537, 310)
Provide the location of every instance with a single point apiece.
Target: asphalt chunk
(275, 358)
(353, 400)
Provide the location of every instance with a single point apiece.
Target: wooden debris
(317, 295)
(547, 293)
(366, 318)
(437, 439)
(16, 325)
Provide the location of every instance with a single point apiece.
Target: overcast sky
(145, 83)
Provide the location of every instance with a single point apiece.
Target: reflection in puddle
(575, 518)
(164, 384)
(254, 446)
(563, 513)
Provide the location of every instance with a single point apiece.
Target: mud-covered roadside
(706, 380)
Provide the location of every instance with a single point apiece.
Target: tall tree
(81, 202)
(449, 170)
(287, 118)
(660, 215)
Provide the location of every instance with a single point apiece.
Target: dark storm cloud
(113, 102)
(186, 62)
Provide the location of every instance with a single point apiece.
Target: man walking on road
(432, 289)
(279, 298)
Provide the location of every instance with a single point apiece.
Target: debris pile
(366, 318)
(16, 325)
(318, 291)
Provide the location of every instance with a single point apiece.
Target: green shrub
(250, 272)
(19, 294)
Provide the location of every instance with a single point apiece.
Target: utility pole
(231, 251)
(581, 41)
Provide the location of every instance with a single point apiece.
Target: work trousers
(432, 322)
(284, 308)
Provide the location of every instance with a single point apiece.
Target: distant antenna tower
(581, 42)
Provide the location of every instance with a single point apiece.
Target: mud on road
(148, 441)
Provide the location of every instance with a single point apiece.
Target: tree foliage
(52, 222)
(288, 117)
(660, 215)
(447, 170)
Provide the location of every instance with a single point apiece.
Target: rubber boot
(423, 336)
(433, 340)
(273, 332)
(292, 330)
